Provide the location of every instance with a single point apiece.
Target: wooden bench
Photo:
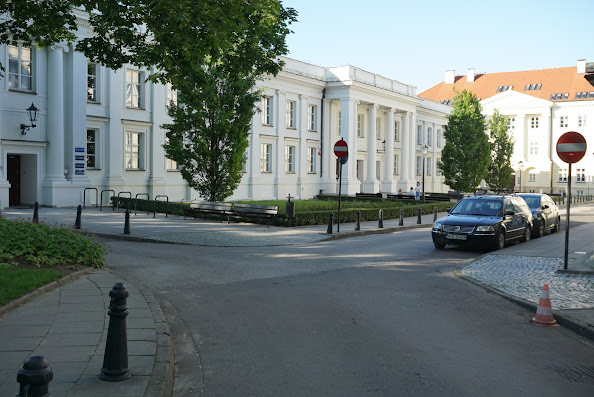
(368, 195)
(254, 211)
(401, 196)
(208, 207)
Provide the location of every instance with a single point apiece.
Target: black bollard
(36, 212)
(78, 214)
(380, 223)
(127, 222)
(330, 223)
(434, 214)
(34, 378)
(401, 221)
(358, 224)
(115, 361)
(419, 217)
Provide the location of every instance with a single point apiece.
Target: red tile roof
(553, 81)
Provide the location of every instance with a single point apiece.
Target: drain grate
(580, 374)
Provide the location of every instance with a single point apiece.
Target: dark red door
(14, 178)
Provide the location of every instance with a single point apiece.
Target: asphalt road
(375, 315)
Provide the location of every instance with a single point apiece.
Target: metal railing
(118, 204)
(166, 205)
(85, 196)
(148, 199)
(101, 202)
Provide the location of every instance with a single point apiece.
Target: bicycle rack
(85, 196)
(148, 199)
(166, 206)
(101, 202)
(118, 205)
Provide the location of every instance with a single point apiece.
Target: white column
(279, 160)
(348, 109)
(404, 182)
(370, 185)
(254, 158)
(115, 140)
(301, 155)
(388, 181)
(55, 114)
(413, 149)
(329, 139)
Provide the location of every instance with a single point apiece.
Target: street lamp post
(521, 164)
(425, 147)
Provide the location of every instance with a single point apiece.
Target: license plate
(456, 236)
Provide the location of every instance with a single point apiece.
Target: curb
(375, 231)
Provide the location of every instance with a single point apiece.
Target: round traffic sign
(571, 147)
(341, 148)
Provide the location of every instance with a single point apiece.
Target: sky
(416, 41)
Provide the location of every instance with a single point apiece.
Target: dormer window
(532, 87)
(503, 88)
(556, 97)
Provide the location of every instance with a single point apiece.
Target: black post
(419, 217)
(566, 256)
(339, 194)
(34, 377)
(127, 222)
(115, 361)
(36, 212)
(78, 214)
(380, 223)
(434, 214)
(358, 224)
(330, 219)
(401, 222)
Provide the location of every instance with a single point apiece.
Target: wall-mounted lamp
(383, 145)
(32, 113)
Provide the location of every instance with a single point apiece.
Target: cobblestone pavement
(524, 276)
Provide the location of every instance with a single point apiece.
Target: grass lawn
(16, 282)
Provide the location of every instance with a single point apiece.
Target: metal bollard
(358, 224)
(380, 223)
(419, 217)
(434, 214)
(330, 223)
(36, 212)
(401, 221)
(34, 378)
(115, 361)
(78, 214)
(127, 222)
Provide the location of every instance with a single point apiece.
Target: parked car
(545, 213)
(487, 222)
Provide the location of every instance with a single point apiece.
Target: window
(559, 96)
(532, 177)
(91, 82)
(134, 149)
(581, 120)
(244, 167)
(563, 175)
(378, 128)
(266, 157)
(511, 124)
(429, 165)
(311, 160)
(419, 165)
(339, 122)
(580, 192)
(581, 175)
(312, 117)
(290, 159)
(20, 73)
(133, 88)
(429, 136)
(267, 110)
(533, 148)
(579, 95)
(532, 87)
(563, 121)
(396, 131)
(534, 122)
(446, 101)
(396, 164)
(291, 114)
(360, 127)
(419, 134)
(92, 149)
(503, 88)
(172, 165)
(171, 96)
(438, 171)
(439, 138)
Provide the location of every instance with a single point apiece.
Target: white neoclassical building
(540, 105)
(100, 129)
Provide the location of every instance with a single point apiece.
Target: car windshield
(533, 202)
(478, 207)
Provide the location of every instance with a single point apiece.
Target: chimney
(470, 75)
(581, 66)
(450, 76)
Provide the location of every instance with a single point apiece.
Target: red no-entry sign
(571, 147)
(341, 148)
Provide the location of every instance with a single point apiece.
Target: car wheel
(527, 234)
(541, 228)
(499, 242)
(556, 226)
(439, 246)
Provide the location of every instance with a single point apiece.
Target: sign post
(341, 150)
(571, 148)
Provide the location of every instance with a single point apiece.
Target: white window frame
(290, 159)
(266, 157)
(581, 120)
(562, 175)
(563, 121)
(311, 160)
(378, 129)
(396, 131)
(94, 153)
(312, 117)
(92, 81)
(396, 170)
(419, 165)
(534, 122)
(134, 92)
(171, 96)
(429, 166)
(267, 103)
(532, 176)
(438, 171)
(419, 134)
(360, 125)
(533, 149)
(439, 138)
(291, 114)
(20, 69)
(580, 175)
(339, 123)
(511, 123)
(134, 151)
(429, 136)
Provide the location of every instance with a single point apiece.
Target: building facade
(540, 105)
(99, 130)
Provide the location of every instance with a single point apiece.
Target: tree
(499, 174)
(465, 156)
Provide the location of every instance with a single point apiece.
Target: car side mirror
(544, 207)
(509, 213)
(448, 209)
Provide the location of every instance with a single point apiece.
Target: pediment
(514, 99)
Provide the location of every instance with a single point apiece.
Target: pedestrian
(418, 191)
(411, 192)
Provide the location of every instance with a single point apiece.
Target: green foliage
(15, 282)
(44, 245)
(499, 173)
(466, 154)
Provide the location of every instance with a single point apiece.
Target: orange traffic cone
(544, 313)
